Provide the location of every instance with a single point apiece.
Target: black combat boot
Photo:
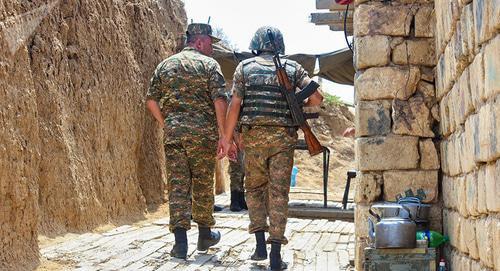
(235, 202)
(275, 258)
(260, 252)
(218, 208)
(243, 202)
(181, 245)
(207, 238)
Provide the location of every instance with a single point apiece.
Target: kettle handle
(407, 210)
(410, 200)
(374, 214)
(400, 207)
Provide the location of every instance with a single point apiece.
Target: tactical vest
(263, 103)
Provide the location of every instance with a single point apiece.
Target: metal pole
(326, 165)
(350, 174)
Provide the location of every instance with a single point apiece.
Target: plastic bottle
(293, 181)
(435, 238)
(442, 265)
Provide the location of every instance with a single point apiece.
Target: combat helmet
(261, 43)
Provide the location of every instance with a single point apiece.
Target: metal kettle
(393, 232)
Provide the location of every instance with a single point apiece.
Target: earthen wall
(77, 147)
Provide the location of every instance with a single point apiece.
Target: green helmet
(261, 42)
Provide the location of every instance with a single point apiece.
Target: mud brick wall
(468, 88)
(77, 147)
(397, 112)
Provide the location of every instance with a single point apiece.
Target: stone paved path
(313, 245)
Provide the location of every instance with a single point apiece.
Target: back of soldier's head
(261, 42)
(197, 31)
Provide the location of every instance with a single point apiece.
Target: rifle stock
(313, 145)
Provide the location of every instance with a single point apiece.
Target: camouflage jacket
(185, 85)
(255, 82)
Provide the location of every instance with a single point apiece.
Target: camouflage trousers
(236, 172)
(268, 166)
(190, 174)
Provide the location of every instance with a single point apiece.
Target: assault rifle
(313, 145)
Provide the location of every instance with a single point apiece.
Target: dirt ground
(328, 128)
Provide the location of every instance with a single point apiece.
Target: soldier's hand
(223, 147)
(236, 138)
(239, 143)
(233, 152)
(349, 132)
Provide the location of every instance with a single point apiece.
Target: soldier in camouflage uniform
(187, 97)
(237, 175)
(269, 136)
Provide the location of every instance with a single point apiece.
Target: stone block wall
(468, 88)
(397, 110)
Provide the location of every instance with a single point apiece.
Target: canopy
(335, 66)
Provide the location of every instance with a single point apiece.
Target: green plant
(331, 99)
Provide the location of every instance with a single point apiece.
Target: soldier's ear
(198, 44)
